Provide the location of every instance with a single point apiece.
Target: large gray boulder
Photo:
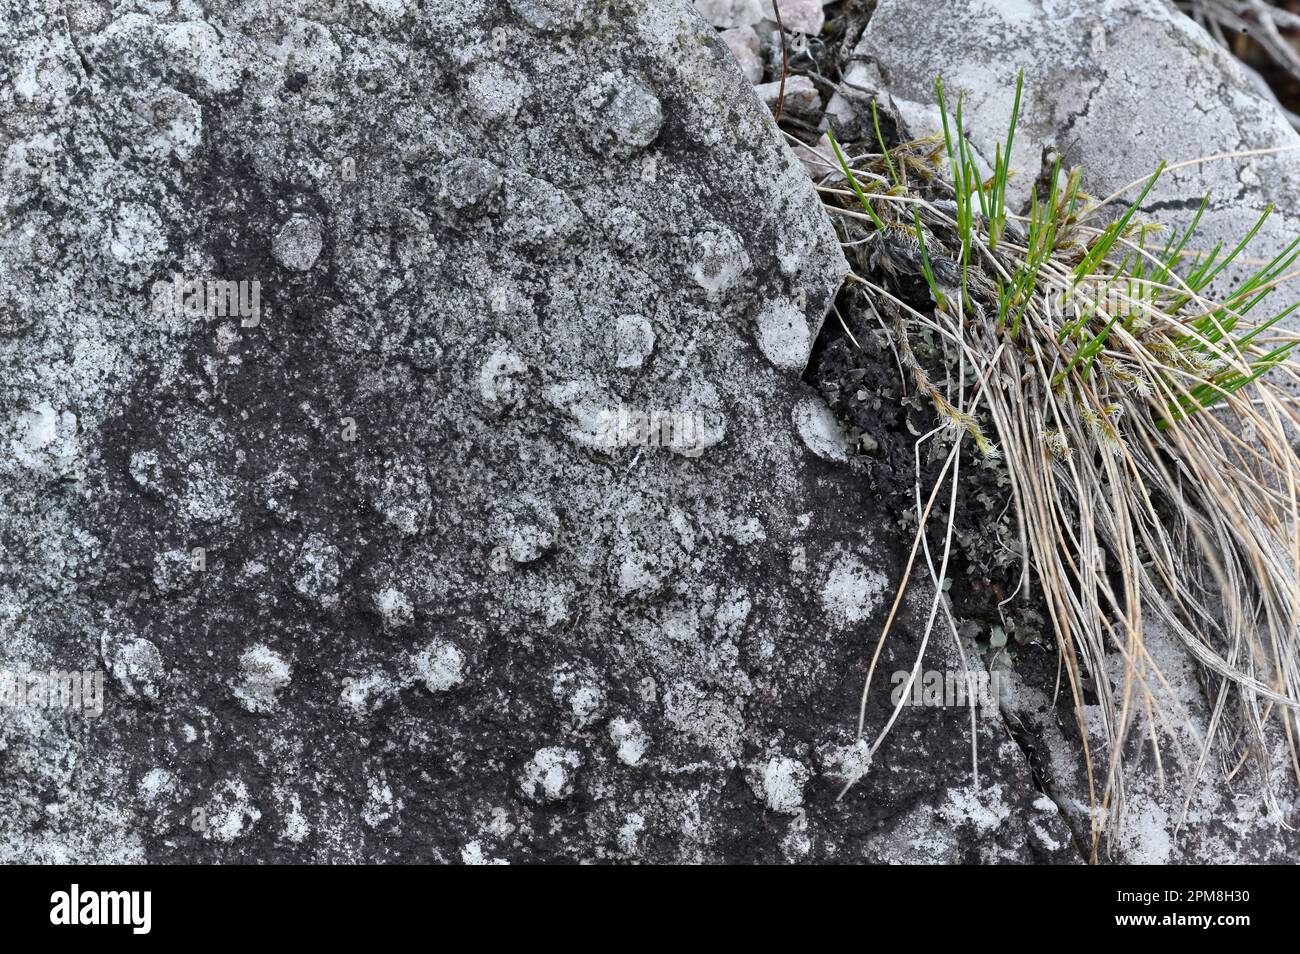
(386, 564)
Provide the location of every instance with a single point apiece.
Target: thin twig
(785, 58)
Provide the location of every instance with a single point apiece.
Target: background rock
(1114, 86)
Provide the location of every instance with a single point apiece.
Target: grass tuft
(1144, 425)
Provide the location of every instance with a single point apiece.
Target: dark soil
(883, 416)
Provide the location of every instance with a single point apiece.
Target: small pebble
(800, 94)
(745, 47)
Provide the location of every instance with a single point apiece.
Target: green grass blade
(848, 174)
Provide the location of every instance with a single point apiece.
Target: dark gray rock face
(400, 406)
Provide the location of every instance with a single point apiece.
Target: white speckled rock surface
(366, 586)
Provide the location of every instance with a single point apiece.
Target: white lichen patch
(851, 591)
(146, 470)
(157, 785)
(197, 47)
(381, 805)
(135, 663)
(719, 260)
(634, 341)
(440, 665)
(622, 115)
(526, 529)
(629, 833)
(172, 570)
(986, 809)
(472, 854)
(817, 427)
(230, 813)
(298, 243)
(468, 184)
(710, 719)
(296, 827)
(579, 691)
(394, 607)
(784, 336)
(779, 782)
(46, 442)
(529, 541)
(135, 240)
(552, 14)
(501, 382)
(366, 694)
(391, 9)
(550, 775)
(316, 571)
(495, 92)
(539, 215)
(263, 674)
(630, 740)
